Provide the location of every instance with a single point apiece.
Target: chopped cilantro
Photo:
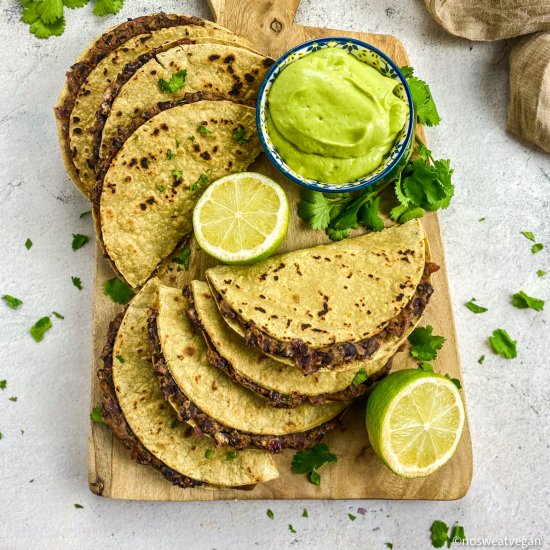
(170, 155)
(58, 315)
(389, 545)
(352, 517)
(439, 531)
(427, 367)
(28, 244)
(424, 345)
(291, 529)
(118, 291)
(270, 514)
(481, 219)
(209, 453)
(523, 301)
(84, 214)
(309, 461)
(537, 248)
(79, 241)
(203, 130)
(424, 105)
(191, 138)
(502, 344)
(1, 435)
(78, 506)
(161, 188)
(178, 143)
(360, 377)
(231, 455)
(175, 423)
(11, 302)
(96, 416)
(203, 178)
(457, 534)
(176, 174)
(40, 327)
(77, 282)
(528, 235)
(120, 358)
(481, 359)
(3, 384)
(475, 308)
(455, 381)
(541, 273)
(239, 135)
(305, 514)
(182, 258)
(14, 399)
(177, 81)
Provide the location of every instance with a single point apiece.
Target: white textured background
(43, 470)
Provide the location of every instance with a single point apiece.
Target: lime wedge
(414, 421)
(241, 218)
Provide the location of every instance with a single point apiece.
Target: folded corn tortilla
(136, 411)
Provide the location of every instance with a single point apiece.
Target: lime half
(414, 421)
(241, 218)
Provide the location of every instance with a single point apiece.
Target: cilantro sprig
(176, 82)
(424, 344)
(523, 301)
(118, 291)
(424, 104)
(309, 461)
(46, 17)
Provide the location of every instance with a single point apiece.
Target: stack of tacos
(205, 383)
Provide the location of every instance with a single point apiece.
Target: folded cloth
(529, 107)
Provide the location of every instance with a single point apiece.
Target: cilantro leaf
(231, 455)
(239, 135)
(291, 529)
(439, 531)
(475, 308)
(209, 453)
(203, 178)
(118, 291)
(502, 344)
(11, 302)
(182, 258)
(41, 30)
(315, 209)
(77, 282)
(457, 534)
(455, 381)
(78, 506)
(411, 214)
(72, 4)
(541, 273)
(176, 174)
(120, 358)
(352, 517)
(79, 241)
(84, 214)
(170, 154)
(38, 330)
(338, 234)
(28, 244)
(305, 513)
(424, 105)
(50, 11)
(13, 399)
(523, 301)
(528, 235)
(481, 359)
(203, 130)
(270, 514)
(424, 345)
(58, 315)
(177, 81)
(307, 462)
(368, 215)
(107, 7)
(389, 545)
(537, 248)
(427, 367)
(360, 377)
(3, 384)
(96, 416)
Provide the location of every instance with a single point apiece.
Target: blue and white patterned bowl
(394, 161)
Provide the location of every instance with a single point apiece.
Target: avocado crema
(332, 118)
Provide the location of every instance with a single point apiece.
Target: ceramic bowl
(393, 162)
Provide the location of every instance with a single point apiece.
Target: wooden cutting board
(358, 473)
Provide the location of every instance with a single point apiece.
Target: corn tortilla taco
(135, 410)
(219, 407)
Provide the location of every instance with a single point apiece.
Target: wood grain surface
(358, 473)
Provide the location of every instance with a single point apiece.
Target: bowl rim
(346, 187)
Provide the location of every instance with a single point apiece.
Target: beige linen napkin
(529, 107)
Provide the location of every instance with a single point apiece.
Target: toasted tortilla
(212, 67)
(98, 66)
(325, 306)
(155, 179)
(180, 354)
(136, 411)
(284, 385)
